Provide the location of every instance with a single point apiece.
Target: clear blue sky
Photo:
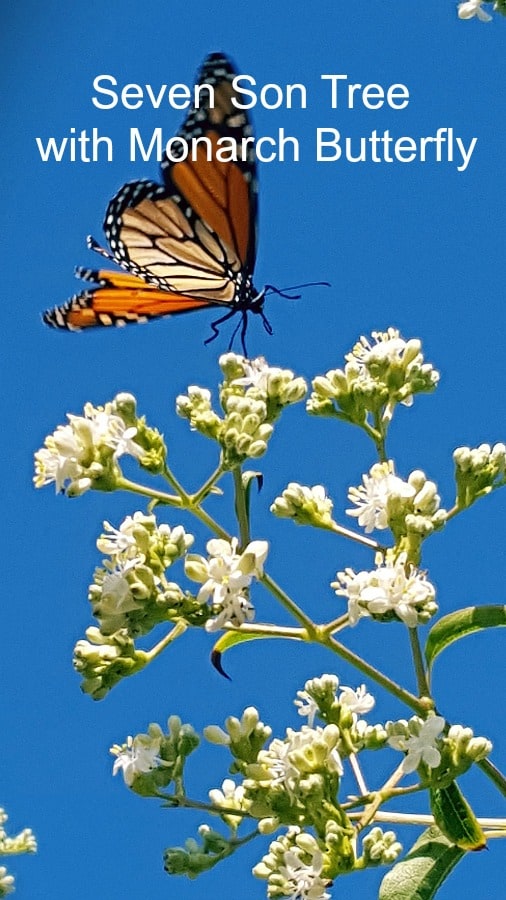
(419, 246)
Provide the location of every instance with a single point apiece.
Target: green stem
(380, 797)
(380, 442)
(421, 675)
(336, 624)
(179, 801)
(397, 818)
(211, 523)
(494, 774)
(126, 485)
(353, 536)
(289, 605)
(176, 632)
(174, 483)
(261, 629)
(371, 432)
(197, 498)
(370, 672)
(241, 509)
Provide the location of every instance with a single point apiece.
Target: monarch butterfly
(189, 243)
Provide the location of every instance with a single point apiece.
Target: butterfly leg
(217, 322)
(267, 325)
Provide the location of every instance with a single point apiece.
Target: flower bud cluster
(305, 505)
(384, 500)
(150, 762)
(252, 397)
(84, 454)
(195, 858)
(393, 591)
(478, 471)
(245, 736)
(377, 376)
(103, 660)
(380, 848)
(225, 578)
(459, 750)
(130, 591)
(231, 796)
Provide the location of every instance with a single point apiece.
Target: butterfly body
(188, 243)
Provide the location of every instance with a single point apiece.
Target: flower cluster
(478, 471)
(294, 867)
(225, 578)
(294, 782)
(377, 376)
(305, 505)
(24, 842)
(384, 500)
(150, 762)
(393, 590)
(84, 454)
(131, 591)
(252, 397)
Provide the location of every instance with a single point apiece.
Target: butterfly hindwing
(116, 299)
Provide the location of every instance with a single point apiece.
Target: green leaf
(455, 818)
(248, 478)
(459, 624)
(232, 638)
(422, 872)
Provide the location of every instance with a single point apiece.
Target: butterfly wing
(116, 299)
(223, 193)
(186, 244)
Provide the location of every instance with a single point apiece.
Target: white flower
(420, 747)
(389, 588)
(256, 372)
(473, 8)
(71, 456)
(304, 879)
(307, 706)
(226, 577)
(358, 700)
(372, 497)
(116, 597)
(138, 755)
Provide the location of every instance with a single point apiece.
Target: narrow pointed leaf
(248, 478)
(455, 818)
(459, 624)
(422, 872)
(232, 638)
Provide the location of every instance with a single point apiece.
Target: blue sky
(418, 246)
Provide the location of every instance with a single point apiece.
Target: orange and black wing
(116, 299)
(186, 244)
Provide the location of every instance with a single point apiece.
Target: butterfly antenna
(281, 292)
(92, 244)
